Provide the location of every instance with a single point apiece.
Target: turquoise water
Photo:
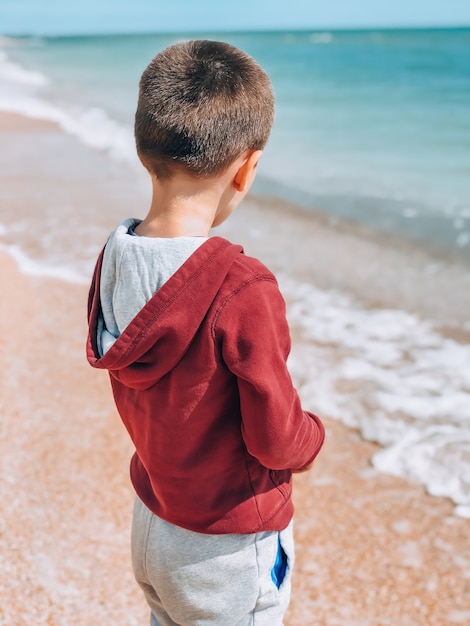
(370, 125)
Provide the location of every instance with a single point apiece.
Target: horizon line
(313, 29)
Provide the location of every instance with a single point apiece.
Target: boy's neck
(181, 207)
(188, 206)
(169, 226)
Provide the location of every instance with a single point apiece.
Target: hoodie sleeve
(255, 347)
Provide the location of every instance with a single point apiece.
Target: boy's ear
(246, 172)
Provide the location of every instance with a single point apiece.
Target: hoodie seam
(253, 491)
(223, 304)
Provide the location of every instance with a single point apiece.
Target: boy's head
(201, 105)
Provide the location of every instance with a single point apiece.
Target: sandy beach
(372, 549)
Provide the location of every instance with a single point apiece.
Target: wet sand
(371, 549)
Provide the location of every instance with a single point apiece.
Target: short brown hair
(201, 105)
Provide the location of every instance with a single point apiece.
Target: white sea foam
(21, 93)
(33, 267)
(13, 73)
(392, 376)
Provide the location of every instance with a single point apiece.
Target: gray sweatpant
(193, 579)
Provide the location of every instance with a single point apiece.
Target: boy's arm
(255, 346)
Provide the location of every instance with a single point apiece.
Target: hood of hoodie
(156, 339)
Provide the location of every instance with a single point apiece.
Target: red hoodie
(200, 380)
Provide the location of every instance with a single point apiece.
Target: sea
(372, 129)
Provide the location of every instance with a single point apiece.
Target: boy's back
(200, 381)
(194, 335)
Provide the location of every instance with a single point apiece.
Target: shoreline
(371, 548)
(348, 256)
(435, 272)
(336, 280)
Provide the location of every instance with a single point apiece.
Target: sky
(54, 17)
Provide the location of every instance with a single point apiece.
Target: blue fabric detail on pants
(278, 572)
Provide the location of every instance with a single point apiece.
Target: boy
(195, 338)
